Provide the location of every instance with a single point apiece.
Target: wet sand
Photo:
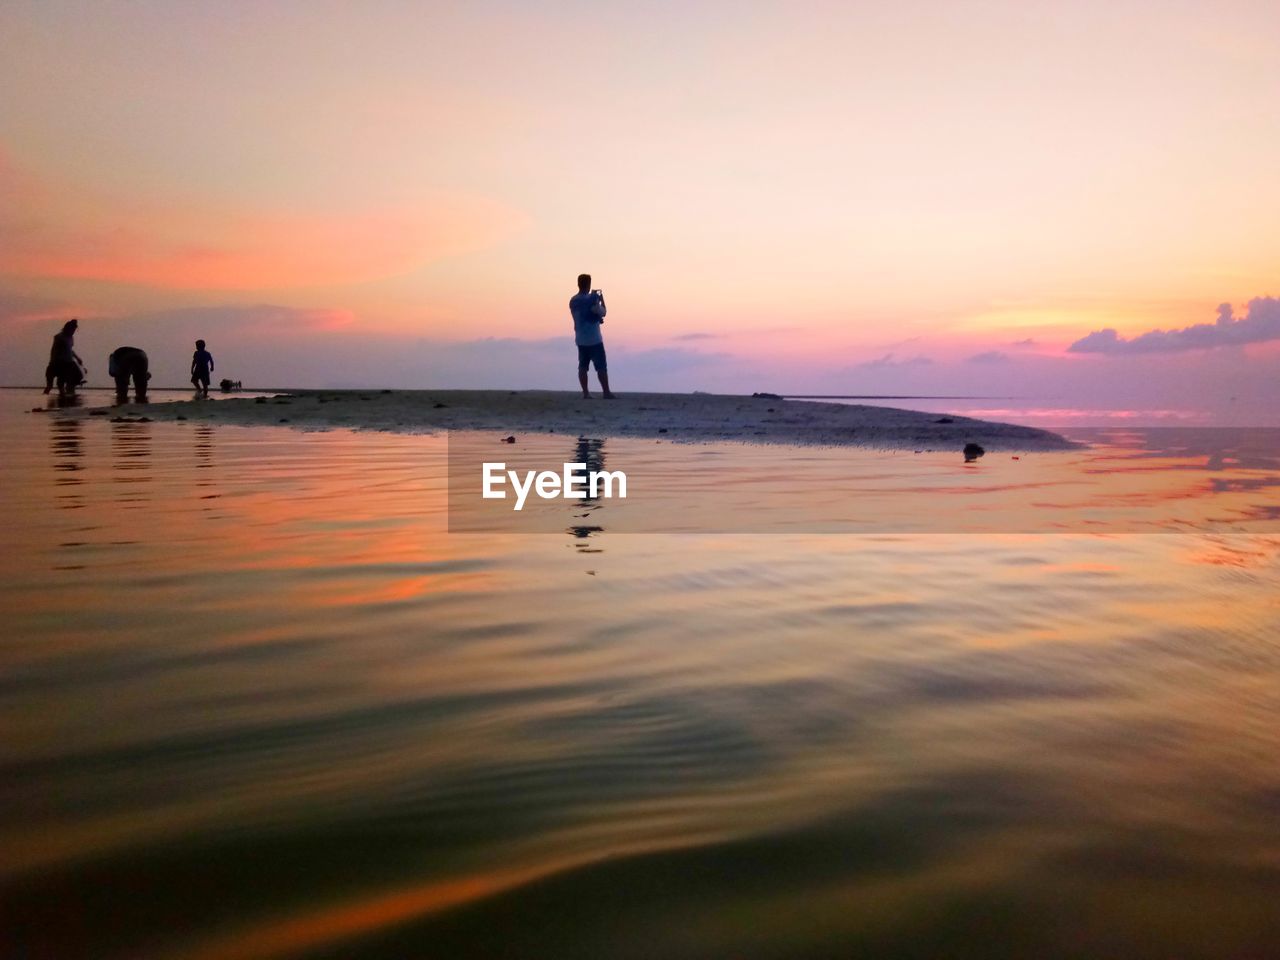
(666, 416)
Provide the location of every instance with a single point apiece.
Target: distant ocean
(1058, 413)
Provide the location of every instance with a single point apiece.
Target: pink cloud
(69, 233)
(18, 308)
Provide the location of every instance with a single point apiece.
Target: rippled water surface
(256, 702)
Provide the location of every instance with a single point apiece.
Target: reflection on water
(130, 464)
(1150, 480)
(65, 443)
(55, 401)
(301, 720)
(203, 445)
(589, 452)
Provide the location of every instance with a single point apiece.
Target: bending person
(126, 363)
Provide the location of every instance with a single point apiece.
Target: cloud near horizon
(1260, 324)
(892, 360)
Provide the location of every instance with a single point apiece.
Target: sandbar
(676, 417)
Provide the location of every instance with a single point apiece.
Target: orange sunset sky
(818, 197)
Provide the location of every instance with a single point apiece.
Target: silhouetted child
(201, 367)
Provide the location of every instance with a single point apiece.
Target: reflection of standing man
(590, 453)
(588, 310)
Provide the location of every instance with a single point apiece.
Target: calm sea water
(1056, 413)
(257, 702)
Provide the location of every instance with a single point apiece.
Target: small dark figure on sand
(201, 367)
(126, 363)
(588, 310)
(65, 366)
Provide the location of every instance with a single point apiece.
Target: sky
(1075, 203)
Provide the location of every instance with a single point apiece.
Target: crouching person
(126, 363)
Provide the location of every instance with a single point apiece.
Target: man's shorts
(592, 354)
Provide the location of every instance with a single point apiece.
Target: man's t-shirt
(587, 313)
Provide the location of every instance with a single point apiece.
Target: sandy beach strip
(679, 417)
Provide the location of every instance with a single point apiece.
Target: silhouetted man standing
(588, 310)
